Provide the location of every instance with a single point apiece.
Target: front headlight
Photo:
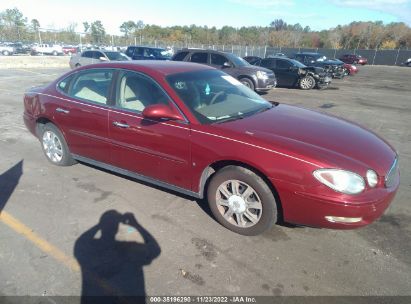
(262, 75)
(340, 180)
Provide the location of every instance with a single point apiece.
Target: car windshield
(215, 97)
(238, 62)
(116, 56)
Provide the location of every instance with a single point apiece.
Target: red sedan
(196, 130)
(350, 69)
(354, 59)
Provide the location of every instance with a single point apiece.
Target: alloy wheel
(52, 146)
(306, 83)
(239, 203)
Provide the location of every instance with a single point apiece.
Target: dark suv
(292, 73)
(335, 68)
(256, 78)
(147, 53)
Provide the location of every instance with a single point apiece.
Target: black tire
(307, 83)
(66, 157)
(78, 65)
(248, 83)
(266, 217)
(6, 53)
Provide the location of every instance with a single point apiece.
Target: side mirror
(227, 65)
(103, 58)
(161, 111)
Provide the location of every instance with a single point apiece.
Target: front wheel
(6, 53)
(241, 201)
(55, 53)
(54, 146)
(307, 83)
(248, 83)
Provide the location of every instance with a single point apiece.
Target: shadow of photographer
(8, 183)
(112, 268)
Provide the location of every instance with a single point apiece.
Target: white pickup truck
(6, 50)
(47, 49)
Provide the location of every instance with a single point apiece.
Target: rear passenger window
(268, 63)
(92, 86)
(130, 51)
(180, 56)
(199, 57)
(87, 54)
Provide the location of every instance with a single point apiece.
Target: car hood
(325, 140)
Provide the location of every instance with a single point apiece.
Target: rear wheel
(6, 53)
(307, 83)
(54, 146)
(241, 201)
(55, 53)
(248, 83)
(78, 65)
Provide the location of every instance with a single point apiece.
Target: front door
(156, 149)
(286, 72)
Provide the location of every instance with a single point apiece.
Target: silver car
(96, 56)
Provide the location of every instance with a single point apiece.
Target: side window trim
(115, 90)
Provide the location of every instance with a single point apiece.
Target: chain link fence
(374, 57)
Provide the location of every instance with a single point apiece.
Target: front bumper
(313, 208)
(265, 85)
(323, 81)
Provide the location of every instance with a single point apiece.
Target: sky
(318, 14)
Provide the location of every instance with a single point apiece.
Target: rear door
(83, 113)
(156, 149)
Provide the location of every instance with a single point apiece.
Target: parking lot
(51, 215)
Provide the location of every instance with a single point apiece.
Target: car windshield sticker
(231, 80)
(180, 85)
(207, 90)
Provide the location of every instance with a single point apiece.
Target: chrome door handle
(60, 110)
(120, 125)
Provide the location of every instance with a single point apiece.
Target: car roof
(204, 50)
(145, 47)
(164, 68)
(308, 53)
(278, 57)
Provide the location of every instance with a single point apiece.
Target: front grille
(391, 176)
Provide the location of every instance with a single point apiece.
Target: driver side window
(135, 92)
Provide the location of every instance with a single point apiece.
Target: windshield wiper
(229, 119)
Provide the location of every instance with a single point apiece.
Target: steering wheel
(215, 97)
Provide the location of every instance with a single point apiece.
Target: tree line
(356, 35)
